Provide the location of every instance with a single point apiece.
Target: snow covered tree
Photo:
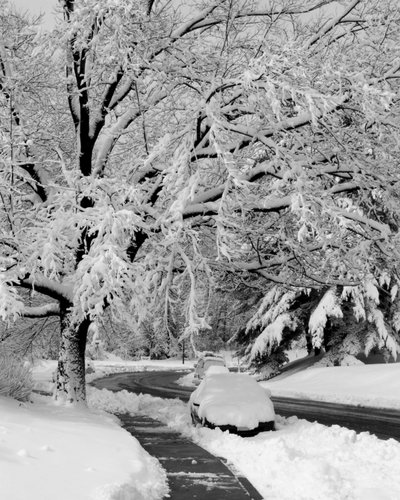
(270, 130)
(342, 320)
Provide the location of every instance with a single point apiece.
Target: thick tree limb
(108, 95)
(110, 138)
(41, 311)
(119, 96)
(47, 287)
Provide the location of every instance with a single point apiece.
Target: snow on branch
(205, 203)
(328, 306)
(385, 339)
(47, 287)
(264, 308)
(357, 297)
(260, 13)
(272, 335)
(108, 140)
(274, 305)
(371, 291)
(10, 303)
(334, 22)
(41, 311)
(192, 23)
(384, 229)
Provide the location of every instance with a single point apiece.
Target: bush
(15, 378)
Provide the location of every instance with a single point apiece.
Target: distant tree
(233, 301)
(128, 138)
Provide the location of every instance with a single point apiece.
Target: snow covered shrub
(15, 378)
(332, 360)
(268, 370)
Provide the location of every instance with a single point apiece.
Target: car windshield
(213, 362)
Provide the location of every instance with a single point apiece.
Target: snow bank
(187, 380)
(301, 460)
(366, 385)
(51, 452)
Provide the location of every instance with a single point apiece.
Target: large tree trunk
(70, 383)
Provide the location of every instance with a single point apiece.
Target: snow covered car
(233, 402)
(204, 363)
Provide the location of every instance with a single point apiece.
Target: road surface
(383, 423)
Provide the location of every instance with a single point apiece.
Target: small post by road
(183, 352)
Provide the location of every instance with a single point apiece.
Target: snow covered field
(48, 452)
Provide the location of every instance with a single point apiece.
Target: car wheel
(195, 420)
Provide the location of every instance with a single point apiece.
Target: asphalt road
(383, 423)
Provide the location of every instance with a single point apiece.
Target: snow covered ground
(51, 452)
(48, 452)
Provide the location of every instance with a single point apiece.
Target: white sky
(47, 8)
(37, 7)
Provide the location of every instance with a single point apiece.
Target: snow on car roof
(233, 399)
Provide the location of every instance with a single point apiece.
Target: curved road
(383, 423)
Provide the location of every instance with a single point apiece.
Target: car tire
(195, 421)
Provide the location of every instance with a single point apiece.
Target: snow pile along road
(49, 452)
(301, 460)
(366, 385)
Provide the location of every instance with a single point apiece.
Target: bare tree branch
(334, 22)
